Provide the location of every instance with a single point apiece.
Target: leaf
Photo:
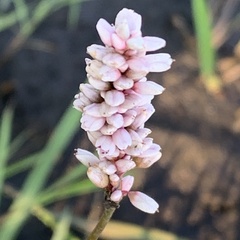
(72, 190)
(5, 136)
(20, 209)
(62, 228)
(73, 174)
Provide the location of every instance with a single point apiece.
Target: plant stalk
(109, 209)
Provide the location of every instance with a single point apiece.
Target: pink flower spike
(148, 87)
(143, 202)
(116, 196)
(153, 43)
(97, 176)
(116, 103)
(122, 138)
(86, 157)
(127, 183)
(105, 31)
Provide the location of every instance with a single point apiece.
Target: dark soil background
(197, 181)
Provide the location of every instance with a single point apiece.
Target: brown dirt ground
(197, 180)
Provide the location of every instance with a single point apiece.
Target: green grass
(72, 183)
(5, 136)
(205, 49)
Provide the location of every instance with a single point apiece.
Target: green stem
(109, 209)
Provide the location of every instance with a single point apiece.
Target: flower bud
(115, 120)
(114, 98)
(127, 183)
(90, 123)
(116, 196)
(143, 202)
(107, 167)
(90, 92)
(123, 83)
(117, 42)
(86, 157)
(114, 180)
(148, 161)
(114, 60)
(97, 51)
(148, 87)
(153, 43)
(125, 165)
(122, 29)
(106, 144)
(105, 31)
(98, 84)
(108, 129)
(122, 138)
(97, 176)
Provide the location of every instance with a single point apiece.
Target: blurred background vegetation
(44, 192)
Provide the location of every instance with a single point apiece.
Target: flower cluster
(116, 103)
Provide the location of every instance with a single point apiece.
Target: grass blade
(73, 14)
(77, 172)
(75, 189)
(5, 136)
(60, 138)
(49, 219)
(22, 11)
(21, 165)
(21, 207)
(205, 49)
(62, 229)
